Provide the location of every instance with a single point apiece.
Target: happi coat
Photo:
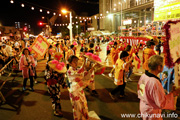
(152, 97)
(147, 53)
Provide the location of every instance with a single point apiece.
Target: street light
(77, 29)
(121, 16)
(70, 24)
(110, 16)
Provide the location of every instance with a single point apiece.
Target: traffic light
(40, 23)
(25, 28)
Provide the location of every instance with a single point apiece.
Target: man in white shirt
(17, 45)
(8, 49)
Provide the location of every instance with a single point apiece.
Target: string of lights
(41, 9)
(48, 10)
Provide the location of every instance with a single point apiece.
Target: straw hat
(93, 58)
(60, 67)
(101, 67)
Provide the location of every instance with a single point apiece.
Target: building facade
(85, 23)
(125, 14)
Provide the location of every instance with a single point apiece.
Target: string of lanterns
(54, 12)
(40, 9)
(85, 19)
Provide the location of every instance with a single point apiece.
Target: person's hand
(93, 66)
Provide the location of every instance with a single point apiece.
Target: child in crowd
(108, 58)
(120, 79)
(78, 80)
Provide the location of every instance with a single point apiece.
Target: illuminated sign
(127, 22)
(166, 9)
(90, 29)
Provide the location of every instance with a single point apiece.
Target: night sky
(11, 13)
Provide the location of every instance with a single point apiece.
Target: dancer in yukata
(54, 84)
(151, 93)
(27, 64)
(78, 79)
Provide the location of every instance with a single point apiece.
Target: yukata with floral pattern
(54, 81)
(78, 79)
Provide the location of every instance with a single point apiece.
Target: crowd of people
(10, 49)
(64, 62)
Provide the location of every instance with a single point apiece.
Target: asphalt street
(37, 105)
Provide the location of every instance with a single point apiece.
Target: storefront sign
(91, 29)
(121, 27)
(127, 22)
(166, 9)
(174, 42)
(40, 45)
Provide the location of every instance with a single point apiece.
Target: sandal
(58, 113)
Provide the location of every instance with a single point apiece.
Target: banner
(174, 42)
(40, 45)
(166, 9)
